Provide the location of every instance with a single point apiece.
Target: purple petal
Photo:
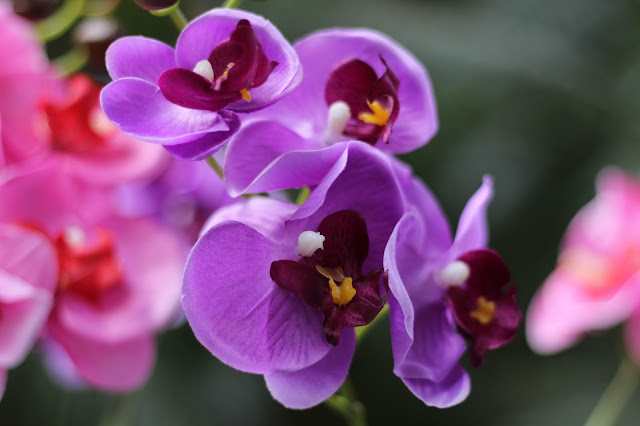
(472, 230)
(434, 237)
(435, 348)
(236, 310)
(139, 57)
(265, 156)
(451, 391)
(207, 145)
(251, 212)
(310, 386)
(140, 109)
(361, 180)
(204, 33)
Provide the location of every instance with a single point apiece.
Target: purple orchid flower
(278, 290)
(225, 62)
(436, 282)
(358, 85)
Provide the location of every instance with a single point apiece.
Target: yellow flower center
(378, 115)
(343, 293)
(485, 311)
(245, 95)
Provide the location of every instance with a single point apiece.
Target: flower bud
(156, 4)
(35, 10)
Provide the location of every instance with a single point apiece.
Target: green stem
(231, 4)
(215, 166)
(616, 396)
(178, 18)
(344, 402)
(60, 22)
(72, 61)
(175, 13)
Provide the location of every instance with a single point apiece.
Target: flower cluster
(96, 224)
(278, 288)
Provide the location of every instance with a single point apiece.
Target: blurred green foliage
(541, 95)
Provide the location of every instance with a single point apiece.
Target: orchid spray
(131, 232)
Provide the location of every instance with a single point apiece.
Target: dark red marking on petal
(489, 278)
(238, 63)
(356, 83)
(346, 246)
(190, 90)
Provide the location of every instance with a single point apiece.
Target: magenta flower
(225, 62)
(277, 289)
(596, 283)
(22, 78)
(435, 282)
(117, 280)
(28, 271)
(358, 85)
(78, 135)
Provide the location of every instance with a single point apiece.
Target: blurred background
(541, 95)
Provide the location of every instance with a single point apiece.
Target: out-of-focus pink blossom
(117, 280)
(596, 283)
(28, 273)
(78, 134)
(23, 75)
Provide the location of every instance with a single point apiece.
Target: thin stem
(616, 396)
(72, 61)
(175, 13)
(215, 166)
(231, 3)
(178, 18)
(344, 402)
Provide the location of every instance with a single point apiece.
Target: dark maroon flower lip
(233, 68)
(485, 305)
(373, 102)
(331, 278)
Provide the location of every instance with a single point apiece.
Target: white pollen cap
(339, 116)
(75, 236)
(309, 242)
(454, 274)
(204, 69)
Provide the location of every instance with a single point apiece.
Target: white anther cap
(454, 274)
(204, 69)
(75, 236)
(339, 116)
(309, 242)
